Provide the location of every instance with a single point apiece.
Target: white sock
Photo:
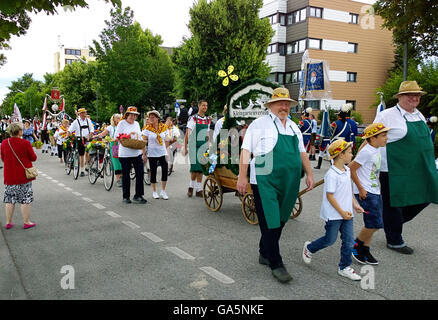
(192, 183)
(198, 186)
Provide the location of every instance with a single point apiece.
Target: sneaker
(403, 250)
(119, 183)
(140, 200)
(82, 174)
(358, 254)
(163, 195)
(281, 274)
(370, 258)
(200, 194)
(127, 201)
(155, 195)
(349, 273)
(190, 192)
(307, 255)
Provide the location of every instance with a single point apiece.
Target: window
(272, 77)
(91, 54)
(315, 43)
(296, 16)
(68, 61)
(282, 19)
(73, 52)
(67, 51)
(351, 76)
(288, 78)
(301, 45)
(272, 48)
(303, 14)
(296, 46)
(77, 52)
(295, 77)
(352, 47)
(353, 103)
(354, 18)
(273, 19)
(282, 49)
(280, 78)
(314, 104)
(315, 12)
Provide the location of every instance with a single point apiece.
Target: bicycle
(73, 159)
(106, 171)
(146, 176)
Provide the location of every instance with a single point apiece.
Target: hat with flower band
(132, 110)
(281, 94)
(337, 147)
(82, 110)
(374, 129)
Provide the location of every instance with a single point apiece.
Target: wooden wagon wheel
(248, 209)
(213, 195)
(297, 208)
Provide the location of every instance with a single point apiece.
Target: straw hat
(281, 94)
(374, 129)
(132, 110)
(155, 113)
(409, 87)
(337, 147)
(82, 110)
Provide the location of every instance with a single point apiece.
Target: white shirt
(261, 138)
(58, 137)
(369, 159)
(218, 127)
(125, 127)
(111, 131)
(338, 183)
(155, 150)
(76, 127)
(314, 126)
(394, 119)
(173, 132)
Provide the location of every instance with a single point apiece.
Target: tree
(414, 25)
(224, 32)
(14, 18)
(133, 69)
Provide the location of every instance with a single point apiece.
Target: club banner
(315, 76)
(315, 80)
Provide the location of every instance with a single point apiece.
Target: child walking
(365, 171)
(337, 209)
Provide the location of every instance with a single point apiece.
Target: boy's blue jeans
(332, 227)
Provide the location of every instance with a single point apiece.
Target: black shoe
(319, 163)
(82, 174)
(139, 200)
(281, 274)
(263, 260)
(127, 201)
(370, 259)
(358, 254)
(403, 250)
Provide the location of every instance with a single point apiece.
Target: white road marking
(113, 214)
(130, 224)
(77, 194)
(152, 237)
(87, 199)
(61, 184)
(44, 175)
(68, 189)
(180, 253)
(49, 178)
(217, 275)
(98, 206)
(259, 298)
(55, 181)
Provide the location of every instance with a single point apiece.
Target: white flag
(17, 113)
(381, 105)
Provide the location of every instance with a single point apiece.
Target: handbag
(32, 172)
(115, 150)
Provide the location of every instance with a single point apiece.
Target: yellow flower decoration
(228, 75)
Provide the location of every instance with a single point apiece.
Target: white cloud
(34, 52)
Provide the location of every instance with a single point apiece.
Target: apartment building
(68, 55)
(344, 33)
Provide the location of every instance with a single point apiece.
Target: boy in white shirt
(365, 171)
(337, 209)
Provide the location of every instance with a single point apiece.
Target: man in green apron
(277, 145)
(408, 177)
(197, 136)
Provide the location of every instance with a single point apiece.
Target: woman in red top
(18, 189)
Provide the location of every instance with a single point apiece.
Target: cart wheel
(212, 194)
(248, 209)
(297, 208)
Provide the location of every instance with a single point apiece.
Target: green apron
(279, 189)
(413, 178)
(116, 163)
(195, 143)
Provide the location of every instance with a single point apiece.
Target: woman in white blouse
(155, 133)
(129, 157)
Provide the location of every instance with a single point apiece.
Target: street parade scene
(239, 164)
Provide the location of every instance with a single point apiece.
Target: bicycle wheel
(93, 170)
(108, 174)
(147, 174)
(76, 163)
(68, 163)
(132, 173)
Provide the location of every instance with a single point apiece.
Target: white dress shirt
(125, 127)
(76, 127)
(394, 118)
(155, 150)
(261, 138)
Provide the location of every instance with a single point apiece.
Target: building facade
(68, 55)
(344, 33)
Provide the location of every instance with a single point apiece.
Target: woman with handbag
(132, 153)
(18, 155)
(114, 146)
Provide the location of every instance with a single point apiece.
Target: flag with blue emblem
(315, 76)
(381, 105)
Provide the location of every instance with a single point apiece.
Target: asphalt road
(88, 245)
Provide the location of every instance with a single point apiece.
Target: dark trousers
(137, 163)
(393, 217)
(62, 153)
(269, 242)
(154, 163)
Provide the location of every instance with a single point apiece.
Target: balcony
(273, 7)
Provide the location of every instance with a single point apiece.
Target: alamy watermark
(68, 281)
